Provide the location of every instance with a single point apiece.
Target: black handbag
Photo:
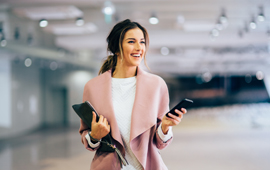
(84, 111)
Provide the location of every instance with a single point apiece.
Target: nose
(138, 46)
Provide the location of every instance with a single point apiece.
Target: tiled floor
(200, 143)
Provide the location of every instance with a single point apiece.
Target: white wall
(20, 99)
(74, 82)
(5, 91)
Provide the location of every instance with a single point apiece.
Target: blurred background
(215, 52)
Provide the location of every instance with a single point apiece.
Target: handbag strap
(121, 158)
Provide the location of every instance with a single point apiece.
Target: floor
(206, 139)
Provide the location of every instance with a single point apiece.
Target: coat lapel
(143, 116)
(108, 111)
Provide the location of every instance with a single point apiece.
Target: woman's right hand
(100, 128)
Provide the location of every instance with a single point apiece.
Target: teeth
(136, 55)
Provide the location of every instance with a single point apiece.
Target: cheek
(127, 50)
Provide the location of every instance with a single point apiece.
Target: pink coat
(150, 105)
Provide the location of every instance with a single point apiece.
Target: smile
(135, 55)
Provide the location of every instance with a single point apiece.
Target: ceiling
(184, 28)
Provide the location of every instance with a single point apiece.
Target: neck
(124, 71)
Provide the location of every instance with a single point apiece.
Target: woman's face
(133, 47)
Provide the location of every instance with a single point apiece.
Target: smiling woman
(127, 39)
(131, 104)
(132, 53)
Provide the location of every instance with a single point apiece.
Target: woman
(132, 105)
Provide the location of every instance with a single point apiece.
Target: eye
(143, 42)
(131, 42)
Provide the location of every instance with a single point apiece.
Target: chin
(137, 64)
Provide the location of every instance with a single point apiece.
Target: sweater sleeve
(92, 145)
(164, 137)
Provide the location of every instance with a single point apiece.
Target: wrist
(164, 129)
(93, 137)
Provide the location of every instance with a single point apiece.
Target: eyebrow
(134, 39)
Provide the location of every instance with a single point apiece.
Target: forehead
(134, 33)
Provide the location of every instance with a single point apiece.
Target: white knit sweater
(123, 96)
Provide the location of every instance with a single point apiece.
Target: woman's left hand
(172, 120)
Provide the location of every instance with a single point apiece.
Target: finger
(175, 118)
(172, 118)
(105, 120)
(171, 122)
(178, 118)
(184, 110)
(180, 114)
(94, 117)
(169, 117)
(100, 119)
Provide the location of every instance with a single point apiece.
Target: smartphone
(183, 104)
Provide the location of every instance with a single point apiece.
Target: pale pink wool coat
(150, 105)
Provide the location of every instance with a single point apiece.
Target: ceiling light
(253, 24)
(153, 20)
(3, 41)
(223, 18)
(28, 62)
(259, 75)
(164, 51)
(108, 8)
(79, 21)
(180, 19)
(43, 23)
(206, 77)
(261, 16)
(108, 11)
(215, 32)
(53, 66)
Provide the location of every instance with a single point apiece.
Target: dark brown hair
(115, 40)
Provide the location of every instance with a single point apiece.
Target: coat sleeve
(83, 127)
(163, 109)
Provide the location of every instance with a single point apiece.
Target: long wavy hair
(115, 40)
